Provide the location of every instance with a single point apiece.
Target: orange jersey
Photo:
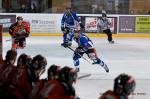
(54, 90)
(16, 29)
(109, 95)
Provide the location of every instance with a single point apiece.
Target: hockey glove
(62, 29)
(66, 44)
(78, 50)
(26, 35)
(14, 37)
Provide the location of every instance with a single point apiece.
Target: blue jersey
(69, 20)
(84, 42)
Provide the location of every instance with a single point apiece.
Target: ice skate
(77, 69)
(112, 42)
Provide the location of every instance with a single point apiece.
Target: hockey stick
(80, 55)
(15, 38)
(84, 76)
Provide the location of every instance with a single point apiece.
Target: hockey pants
(91, 53)
(19, 43)
(109, 34)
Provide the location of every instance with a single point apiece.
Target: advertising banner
(126, 24)
(43, 23)
(6, 21)
(91, 24)
(142, 24)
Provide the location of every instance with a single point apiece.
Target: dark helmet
(124, 85)
(39, 62)
(22, 59)
(11, 55)
(68, 10)
(53, 72)
(19, 18)
(67, 74)
(104, 15)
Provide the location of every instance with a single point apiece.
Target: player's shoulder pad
(110, 94)
(65, 13)
(13, 25)
(83, 38)
(25, 23)
(73, 13)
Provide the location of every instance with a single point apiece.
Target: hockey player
(62, 87)
(19, 31)
(52, 74)
(104, 24)
(20, 85)
(69, 22)
(7, 72)
(85, 45)
(27, 76)
(38, 66)
(124, 86)
(10, 59)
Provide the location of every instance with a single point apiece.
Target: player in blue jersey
(69, 22)
(85, 45)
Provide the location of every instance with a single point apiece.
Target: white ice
(130, 56)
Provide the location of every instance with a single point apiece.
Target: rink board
(98, 35)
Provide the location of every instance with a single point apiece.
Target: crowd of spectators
(31, 8)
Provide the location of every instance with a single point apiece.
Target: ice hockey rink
(127, 55)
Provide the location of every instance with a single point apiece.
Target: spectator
(22, 9)
(32, 8)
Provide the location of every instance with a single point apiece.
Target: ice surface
(130, 56)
